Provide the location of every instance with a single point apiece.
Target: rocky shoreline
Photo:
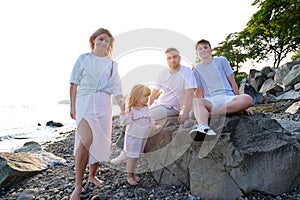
(57, 182)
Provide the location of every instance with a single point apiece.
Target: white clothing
(158, 112)
(97, 78)
(134, 146)
(137, 131)
(219, 100)
(87, 71)
(174, 86)
(212, 77)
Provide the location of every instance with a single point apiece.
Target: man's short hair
(168, 50)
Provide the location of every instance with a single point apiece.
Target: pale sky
(41, 39)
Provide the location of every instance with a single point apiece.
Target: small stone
(27, 194)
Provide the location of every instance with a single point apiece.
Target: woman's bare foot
(96, 181)
(137, 179)
(75, 194)
(131, 181)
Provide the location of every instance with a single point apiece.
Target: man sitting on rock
(177, 86)
(217, 91)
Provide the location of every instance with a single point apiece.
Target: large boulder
(270, 87)
(256, 79)
(283, 83)
(246, 88)
(24, 163)
(293, 77)
(250, 153)
(280, 73)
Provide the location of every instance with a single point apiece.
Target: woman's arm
(125, 118)
(121, 103)
(73, 93)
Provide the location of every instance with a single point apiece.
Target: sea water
(23, 123)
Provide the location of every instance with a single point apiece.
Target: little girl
(138, 122)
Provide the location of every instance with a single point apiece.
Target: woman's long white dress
(98, 79)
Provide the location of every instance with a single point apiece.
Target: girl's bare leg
(130, 168)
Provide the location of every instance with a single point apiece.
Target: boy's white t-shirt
(174, 86)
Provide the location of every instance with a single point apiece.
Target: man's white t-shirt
(173, 87)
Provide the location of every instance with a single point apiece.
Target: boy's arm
(233, 84)
(235, 89)
(199, 93)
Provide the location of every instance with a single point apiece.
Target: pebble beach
(57, 182)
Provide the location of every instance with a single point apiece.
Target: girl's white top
(138, 122)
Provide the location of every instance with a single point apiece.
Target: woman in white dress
(94, 80)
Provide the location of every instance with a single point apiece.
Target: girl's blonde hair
(136, 93)
(99, 32)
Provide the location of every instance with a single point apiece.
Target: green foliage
(273, 31)
(231, 49)
(240, 76)
(296, 55)
(197, 61)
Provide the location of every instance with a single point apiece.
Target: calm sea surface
(23, 123)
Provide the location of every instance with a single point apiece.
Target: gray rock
(291, 94)
(280, 73)
(292, 126)
(283, 86)
(267, 85)
(250, 154)
(248, 89)
(266, 70)
(256, 79)
(28, 194)
(25, 162)
(297, 87)
(270, 75)
(292, 77)
(294, 108)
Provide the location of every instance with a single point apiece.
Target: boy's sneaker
(121, 158)
(201, 132)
